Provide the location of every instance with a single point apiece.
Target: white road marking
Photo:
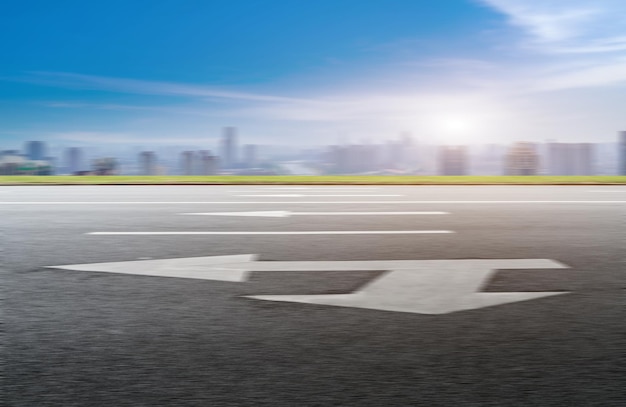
(414, 286)
(203, 268)
(337, 188)
(286, 214)
(424, 287)
(292, 202)
(313, 232)
(323, 195)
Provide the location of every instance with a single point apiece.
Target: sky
(305, 73)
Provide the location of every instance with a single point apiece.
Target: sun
(456, 125)
(455, 129)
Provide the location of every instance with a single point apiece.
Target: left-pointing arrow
(220, 268)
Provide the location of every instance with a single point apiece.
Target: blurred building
(622, 155)
(104, 166)
(207, 163)
(73, 160)
(453, 160)
(228, 152)
(488, 159)
(187, 162)
(570, 158)
(148, 163)
(522, 159)
(35, 150)
(17, 164)
(250, 155)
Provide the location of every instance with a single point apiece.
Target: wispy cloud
(125, 85)
(568, 26)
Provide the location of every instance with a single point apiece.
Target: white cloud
(568, 26)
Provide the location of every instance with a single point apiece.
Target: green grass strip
(310, 180)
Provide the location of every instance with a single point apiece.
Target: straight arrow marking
(286, 214)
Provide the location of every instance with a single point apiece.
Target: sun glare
(456, 125)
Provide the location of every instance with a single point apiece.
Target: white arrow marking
(427, 287)
(221, 268)
(314, 232)
(286, 214)
(324, 195)
(414, 286)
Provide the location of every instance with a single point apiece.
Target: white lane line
(609, 191)
(292, 202)
(286, 214)
(320, 232)
(314, 195)
(337, 188)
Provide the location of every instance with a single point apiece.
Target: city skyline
(402, 155)
(302, 74)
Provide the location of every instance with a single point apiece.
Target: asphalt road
(84, 338)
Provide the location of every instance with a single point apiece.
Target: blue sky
(300, 72)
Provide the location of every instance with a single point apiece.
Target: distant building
(453, 160)
(187, 162)
(73, 160)
(622, 155)
(229, 147)
(488, 159)
(570, 158)
(522, 159)
(250, 155)
(148, 163)
(19, 165)
(209, 164)
(36, 150)
(104, 166)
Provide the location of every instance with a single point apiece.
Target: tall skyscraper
(147, 163)
(453, 160)
(73, 160)
(35, 150)
(522, 159)
(229, 147)
(622, 155)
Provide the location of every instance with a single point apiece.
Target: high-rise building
(570, 158)
(35, 150)
(622, 155)
(73, 160)
(148, 163)
(522, 159)
(453, 160)
(229, 147)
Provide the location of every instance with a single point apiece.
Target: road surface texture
(369, 316)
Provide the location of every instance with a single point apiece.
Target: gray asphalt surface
(76, 338)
